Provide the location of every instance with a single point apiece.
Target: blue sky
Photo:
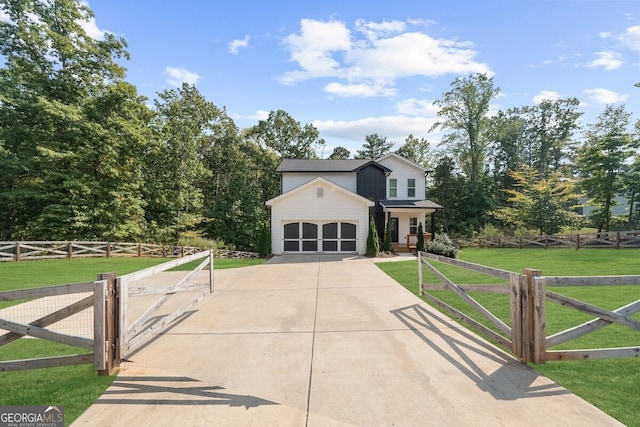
(353, 68)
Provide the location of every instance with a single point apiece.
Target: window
(393, 187)
(411, 187)
(320, 192)
(413, 225)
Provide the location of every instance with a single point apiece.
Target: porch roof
(422, 205)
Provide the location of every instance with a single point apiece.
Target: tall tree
(417, 150)
(71, 128)
(550, 127)
(340, 153)
(283, 134)
(601, 160)
(183, 121)
(375, 146)
(244, 177)
(464, 112)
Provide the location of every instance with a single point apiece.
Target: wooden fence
(115, 333)
(611, 240)
(98, 298)
(32, 250)
(528, 293)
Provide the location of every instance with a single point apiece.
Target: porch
(411, 242)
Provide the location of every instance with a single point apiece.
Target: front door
(394, 229)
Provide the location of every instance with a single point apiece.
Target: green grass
(74, 387)
(613, 385)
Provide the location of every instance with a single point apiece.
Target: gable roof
(405, 160)
(314, 182)
(327, 165)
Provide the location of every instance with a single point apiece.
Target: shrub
(442, 245)
(264, 241)
(420, 243)
(386, 243)
(373, 241)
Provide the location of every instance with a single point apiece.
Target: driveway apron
(318, 340)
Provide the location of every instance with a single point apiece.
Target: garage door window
(348, 237)
(309, 237)
(312, 237)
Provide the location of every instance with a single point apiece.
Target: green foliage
(386, 243)
(375, 146)
(602, 160)
(542, 204)
(441, 244)
(373, 242)
(340, 153)
(264, 240)
(417, 150)
(286, 137)
(420, 243)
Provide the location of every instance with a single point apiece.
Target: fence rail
(32, 250)
(611, 240)
(528, 294)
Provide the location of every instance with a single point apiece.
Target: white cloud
(607, 60)
(90, 27)
(546, 95)
(387, 52)
(260, 115)
(362, 90)
(374, 30)
(631, 38)
(605, 96)
(177, 76)
(312, 49)
(417, 107)
(394, 128)
(236, 45)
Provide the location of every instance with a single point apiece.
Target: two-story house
(325, 205)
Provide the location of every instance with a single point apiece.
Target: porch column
(433, 224)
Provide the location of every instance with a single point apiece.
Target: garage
(320, 237)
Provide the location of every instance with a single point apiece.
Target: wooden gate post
(539, 320)
(110, 325)
(515, 306)
(528, 314)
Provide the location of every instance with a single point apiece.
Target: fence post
(110, 319)
(69, 250)
(17, 255)
(139, 250)
(617, 240)
(419, 273)
(528, 313)
(108, 249)
(539, 320)
(577, 241)
(100, 345)
(211, 271)
(515, 305)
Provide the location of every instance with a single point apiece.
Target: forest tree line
(84, 157)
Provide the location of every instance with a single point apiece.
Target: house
(325, 205)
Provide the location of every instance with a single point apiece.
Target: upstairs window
(411, 187)
(393, 187)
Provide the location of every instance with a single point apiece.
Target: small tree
(264, 241)
(442, 245)
(386, 243)
(420, 244)
(373, 242)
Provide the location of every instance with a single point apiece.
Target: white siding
(306, 206)
(402, 171)
(291, 180)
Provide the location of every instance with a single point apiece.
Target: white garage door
(320, 237)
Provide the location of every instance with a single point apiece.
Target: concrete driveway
(317, 340)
